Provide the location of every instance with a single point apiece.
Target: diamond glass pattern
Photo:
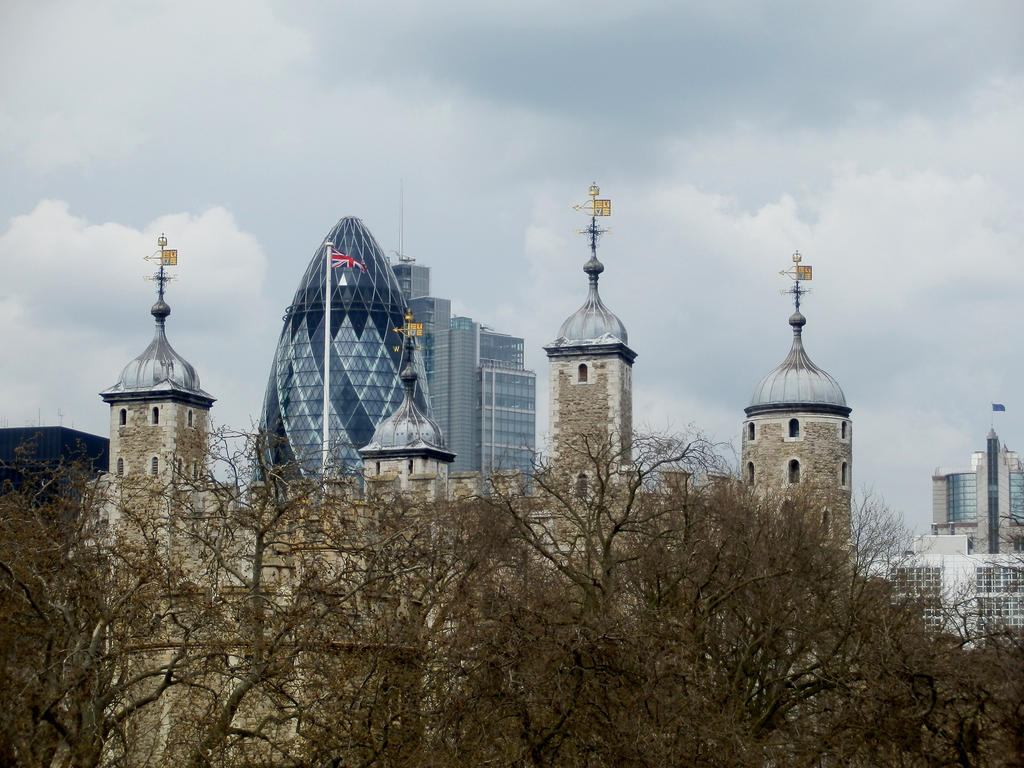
(365, 355)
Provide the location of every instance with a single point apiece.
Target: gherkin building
(367, 306)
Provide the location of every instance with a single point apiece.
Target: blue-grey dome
(411, 429)
(797, 381)
(409, 426)
(159, 368)
(593, 321)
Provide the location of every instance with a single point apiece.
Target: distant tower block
(159, 415)
(798, 432)
(590, 367)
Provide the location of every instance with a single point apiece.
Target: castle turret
(798, 430)
(408, 446)
(590, 367)
(159, 414)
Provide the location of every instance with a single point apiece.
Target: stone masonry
(820, 448)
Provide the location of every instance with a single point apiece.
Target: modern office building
(24, 450)
(481, 394)
(413, 278)
(483, 398)
(962, 590)
(365, 350)
(984, 502)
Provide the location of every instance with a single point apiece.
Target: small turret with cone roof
(798, 430)
(159, 413)
(408, 444)
(590, 362)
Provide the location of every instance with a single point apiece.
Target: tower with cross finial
(798, 434)
(590, 366)
(159, 414)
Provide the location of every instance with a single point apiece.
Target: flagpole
(327, 359)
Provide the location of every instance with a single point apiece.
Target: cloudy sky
(881, 139)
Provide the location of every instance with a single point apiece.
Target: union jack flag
(339, 259)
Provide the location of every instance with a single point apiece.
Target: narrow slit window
(750, 472)
(750, 431)
(156, 415)
(842, 431)
(581, 485)
(124, 417)
(794, 472)
(120, 467)
(190, 418)
(843, 477)
(154, 465)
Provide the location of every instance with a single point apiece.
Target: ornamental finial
(165, 257)
(797, 274)
(594, 208)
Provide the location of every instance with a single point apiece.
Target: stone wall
(601, 407)
(820, 449)
(171, 439)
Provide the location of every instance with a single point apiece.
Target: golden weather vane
(798, 274)
(410, 329)
(165, 257)
(594, 208)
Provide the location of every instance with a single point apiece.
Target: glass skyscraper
(481, 395)
(985, 502)
(367, 305)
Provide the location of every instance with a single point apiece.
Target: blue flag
(998, 407)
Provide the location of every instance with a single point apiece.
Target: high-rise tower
(364, 352)
(985, 502)
(590, 367)
(159, 415)
(798, 430)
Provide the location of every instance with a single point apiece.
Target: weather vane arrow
(165, 257)
(798, 274)
(594, 208)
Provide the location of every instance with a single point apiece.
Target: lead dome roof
(411, 428)
(797, 382)
(593, 322)
(159, 370)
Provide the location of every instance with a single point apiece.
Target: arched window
(581, 373)
(842, 431)
(120, 464)
(794, 471)
(156, 415)
(410, 466)
(794, 427)
(750, 472)
(842, 475)
(124, 417)
(750, 431)
(190, 417)
(153, 465)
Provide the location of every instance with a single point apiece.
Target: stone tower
(798, 431)
(159, 415)
(407, 449)
(590, 369)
